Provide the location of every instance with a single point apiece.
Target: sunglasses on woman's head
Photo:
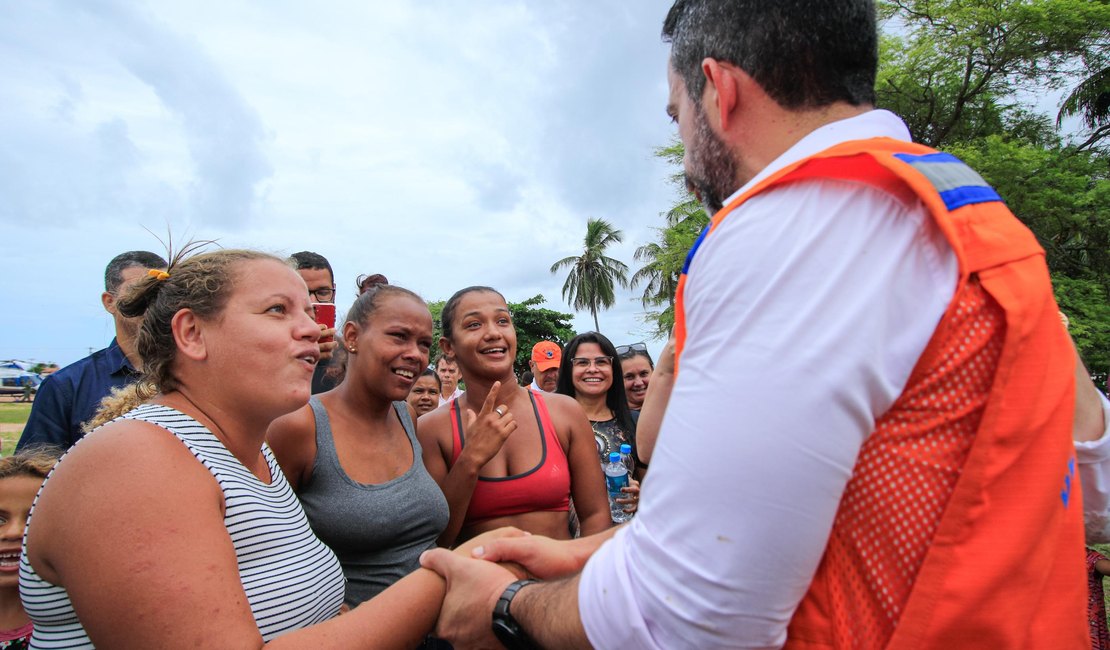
(623, 350)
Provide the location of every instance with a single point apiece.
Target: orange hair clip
(158, 275)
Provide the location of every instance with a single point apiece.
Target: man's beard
(129, 327)
(711, 168)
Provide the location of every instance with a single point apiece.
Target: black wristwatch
(505, 627)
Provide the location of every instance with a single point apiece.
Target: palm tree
(593, 276)
(659, 282)
(1091, 101)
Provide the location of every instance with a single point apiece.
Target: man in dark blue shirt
(69, 398)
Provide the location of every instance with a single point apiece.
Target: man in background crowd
(69, 398)
(316, 272)
(544, 363)
(448, 372)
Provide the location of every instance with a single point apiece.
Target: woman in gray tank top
(352, 455)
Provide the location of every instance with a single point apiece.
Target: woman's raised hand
(487, 431)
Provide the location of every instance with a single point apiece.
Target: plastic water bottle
(627, 459)
(616, 477)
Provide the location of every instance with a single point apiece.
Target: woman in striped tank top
(196, 540)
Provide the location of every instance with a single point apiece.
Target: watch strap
(505, 627)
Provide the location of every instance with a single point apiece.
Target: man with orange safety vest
(895, 467)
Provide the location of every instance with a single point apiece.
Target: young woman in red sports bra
(503, 454)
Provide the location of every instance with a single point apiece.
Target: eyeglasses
(623, 350)
(323, 294)
(586, 362)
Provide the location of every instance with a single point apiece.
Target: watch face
(507, 634)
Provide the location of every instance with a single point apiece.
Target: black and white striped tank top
(292, 580)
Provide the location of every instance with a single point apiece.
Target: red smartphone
(325, 315)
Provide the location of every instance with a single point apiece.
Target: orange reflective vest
(961, 526)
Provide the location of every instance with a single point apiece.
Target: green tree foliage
(1087, 304)
(436, 307)
(950, 67)
(593, 277)
(534, 324)
(1090, 99)
(1061, 194)
(662, 260)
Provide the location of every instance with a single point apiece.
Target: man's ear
(188, 333)
(722, 92)
(109, 302)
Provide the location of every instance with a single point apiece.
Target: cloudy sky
(441, 143)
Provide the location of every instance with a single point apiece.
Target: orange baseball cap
(546, 355)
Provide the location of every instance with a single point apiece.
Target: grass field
(14, 412)
(12, 417)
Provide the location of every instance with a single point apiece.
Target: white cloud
(442, 144)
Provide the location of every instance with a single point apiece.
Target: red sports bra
(544, 488)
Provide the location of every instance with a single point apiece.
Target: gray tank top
(377, 531)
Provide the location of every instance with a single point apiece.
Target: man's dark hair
(804, 54)
(310, 260)
(113, 273)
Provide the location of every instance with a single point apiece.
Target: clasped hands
(478, 571)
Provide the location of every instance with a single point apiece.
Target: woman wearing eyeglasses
(637, 367)
(505, 455)
(587, 373)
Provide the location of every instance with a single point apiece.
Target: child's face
(16, 495)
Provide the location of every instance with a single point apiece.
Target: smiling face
(594, 378)
(483, 339)
(391, 346)
(16, 495)
(637, 374)
(424, 396)
(266, 334)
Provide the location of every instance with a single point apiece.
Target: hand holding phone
(325, 315)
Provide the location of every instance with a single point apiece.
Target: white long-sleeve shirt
(1094, 475)
(806, 311)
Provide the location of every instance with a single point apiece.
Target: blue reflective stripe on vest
(694, 248)
(957, 184)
